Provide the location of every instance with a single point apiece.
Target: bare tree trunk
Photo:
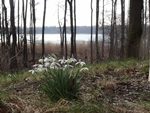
(75, 50)
(143, 43)
(18, 24)
(111, 51)
(103, 31)
(6, 29)
(25, 53)
(0, 26)
(149, 32)
(61, 36)
(70, 2)
(148, 47)
(64, 30)
(13, 59)
(31, 27)
(135, 28)
(115, 30)
(91, 31)
(3, 26)
(149, 44)
(145, 31)
(43, 30)
(97, 26)
(34, 30)
(122, 50)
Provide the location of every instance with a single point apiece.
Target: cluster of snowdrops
(52, 62)
(62, 76)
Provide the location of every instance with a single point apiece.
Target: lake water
(55, 38)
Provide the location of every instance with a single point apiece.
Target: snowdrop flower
(9, 75)
(53, 59)
(71, 60)
(40, 60)
(84, 69)
(62, 61)
(47, 64)
(55, 64)
(41, 69)
(35, 65)
(40, 66)
(68, 61)
(47, 59)
(68, 66)
(32, 71)
(80, 63)
(54, 67)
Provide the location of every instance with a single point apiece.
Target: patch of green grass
(145, 104)
(59, 83)
(3, 95)
(6, 79)
(145, 67)
(112, 65)
(87, 107)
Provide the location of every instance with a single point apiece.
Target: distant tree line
(129, 39)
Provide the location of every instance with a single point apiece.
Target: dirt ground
(120, 90)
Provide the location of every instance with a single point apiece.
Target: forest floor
(109, 87)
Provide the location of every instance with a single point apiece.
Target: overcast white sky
(83, 11)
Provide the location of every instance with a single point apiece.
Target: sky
(83, 11)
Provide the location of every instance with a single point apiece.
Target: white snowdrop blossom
(41, 69)
(40, 60)
(54, 63)
(47, 64)
(62, 61)
(52, 59)
(32, 71)
(80, 63)
(71, 60)
(47, 59)
(40, 66)
(9, 75)
(84, 69)
(35, 65)
(68, 66)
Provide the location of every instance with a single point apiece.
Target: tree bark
(111, 51)
(61, 36)
(97, 26)
(115, 30)
(18, 24)
(25, 52)
(43, 30)
(135, 28)
(149, 33)
(64, 31)
(70, 2)
(13, 59)
(91, 31)
(34, 30)
(122, 50)
(103, 31)
(75, 30)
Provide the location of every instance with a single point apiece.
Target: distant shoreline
(80, 30)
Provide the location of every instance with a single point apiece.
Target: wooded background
(130, 39)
